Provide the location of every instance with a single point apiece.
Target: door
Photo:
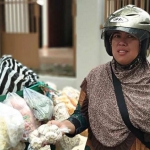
(60, 23)
(20, 31)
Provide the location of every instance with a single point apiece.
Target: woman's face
(125, 47)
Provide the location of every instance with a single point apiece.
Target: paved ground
(56, 61)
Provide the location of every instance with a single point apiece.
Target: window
(113, 5)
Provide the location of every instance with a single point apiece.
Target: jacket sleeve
(80, 116)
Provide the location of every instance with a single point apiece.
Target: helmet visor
(140, 34)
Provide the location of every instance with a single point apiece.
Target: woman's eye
(130, 36)
(116, 36)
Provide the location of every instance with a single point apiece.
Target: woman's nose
(122, 43)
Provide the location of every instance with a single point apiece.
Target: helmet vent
(144, 22)
(132, 15)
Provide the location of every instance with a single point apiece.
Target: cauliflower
(45, 134)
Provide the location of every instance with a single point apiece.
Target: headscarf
(104, 116)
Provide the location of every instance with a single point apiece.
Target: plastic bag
(46, 147)
(17, 102)
(11, 127)
(60, 114)
(72, 93)
(67, 143)
(41, 105)
(49, 91)
(20, 146)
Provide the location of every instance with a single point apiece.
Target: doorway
(60, 23)
(58, 58)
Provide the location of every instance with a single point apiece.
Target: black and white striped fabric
(14, 75)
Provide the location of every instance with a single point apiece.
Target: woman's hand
(57, 123)
(63, 124)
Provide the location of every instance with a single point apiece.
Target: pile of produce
(27, 105)
(36, 109)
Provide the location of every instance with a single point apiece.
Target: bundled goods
(19, 146)
(28, 110)
(32, 106)
(40, 104)
(62, 105)
(11, 127)
(18, 103)
(45, 135)
(60, 114)
(33, 109)
(70, 96)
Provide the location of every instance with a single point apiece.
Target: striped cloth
(14, 75)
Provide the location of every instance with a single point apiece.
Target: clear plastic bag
(17, 102)
(11, 127)
(67, 143)
(46, 147)
(41, 105)
(20, 146)
(60, 114)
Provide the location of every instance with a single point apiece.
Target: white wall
(45, 23)
(90, 47)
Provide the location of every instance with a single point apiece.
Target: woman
(126, 36)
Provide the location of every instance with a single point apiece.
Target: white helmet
(132, 20)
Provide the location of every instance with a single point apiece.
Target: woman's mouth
(122, 52)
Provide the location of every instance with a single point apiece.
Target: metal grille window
(113, 5)
(18, 15)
